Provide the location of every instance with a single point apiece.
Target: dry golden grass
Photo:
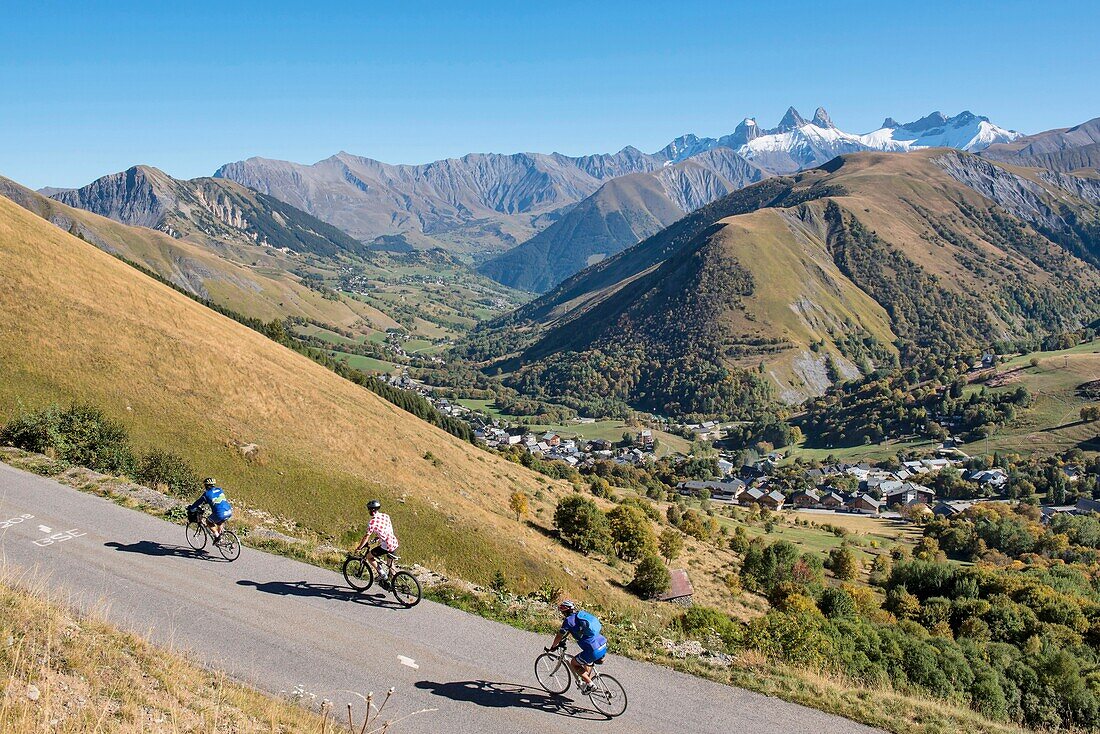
(80, 325)
(64, 673)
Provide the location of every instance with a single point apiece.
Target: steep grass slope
(265, 290)
(81, 325)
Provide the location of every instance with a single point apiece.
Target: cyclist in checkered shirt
(380, 527)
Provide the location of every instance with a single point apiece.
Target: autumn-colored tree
(518, 503)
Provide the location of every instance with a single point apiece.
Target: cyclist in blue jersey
(220, 509)
(585, 629)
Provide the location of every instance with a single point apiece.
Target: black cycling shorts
(379, 552)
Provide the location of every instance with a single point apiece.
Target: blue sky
(92, 88)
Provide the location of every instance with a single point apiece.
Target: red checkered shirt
(381, 526)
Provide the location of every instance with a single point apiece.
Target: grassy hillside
(67, 673)
(264, 289)
(781, 289)
(84, 326)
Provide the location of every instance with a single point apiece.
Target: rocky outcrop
(1023, 198)
(213, 212)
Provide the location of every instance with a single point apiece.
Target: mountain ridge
(214, 211)
(488, 202)
(868, 260)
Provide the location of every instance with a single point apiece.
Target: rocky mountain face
(215, 212)
(620, 213)
(779, 289)
(1065, 149)
(480, 202)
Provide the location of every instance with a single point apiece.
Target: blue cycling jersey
(582, 625)
(220, 509)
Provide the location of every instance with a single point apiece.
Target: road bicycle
(360, 576)
(555, 674)
(198, 535)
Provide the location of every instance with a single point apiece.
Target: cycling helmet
(209, 482)
(565, 606)
(374, 506)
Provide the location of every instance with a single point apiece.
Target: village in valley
(888, 489)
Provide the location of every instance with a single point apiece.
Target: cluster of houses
(575, 452)
(890, 494)
(878, 489)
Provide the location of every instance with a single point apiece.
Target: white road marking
(58, 538)
(408, 662)
(5, 524)
(44, 529)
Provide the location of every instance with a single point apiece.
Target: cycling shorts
(592, 650)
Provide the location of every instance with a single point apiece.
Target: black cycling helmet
(374, 506)
(209, 482)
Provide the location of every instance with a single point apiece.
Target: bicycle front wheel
(553, 673)
(196, 535)
(358, 573)
(608, 696)
(229, 545)
(406, 589)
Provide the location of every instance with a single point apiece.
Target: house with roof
(909, 494)
(1086, 506)
(806, 498)
(995, 477)
(772, 500)
(950, 509)
(864, 504)
(832, 501)
(751, 495)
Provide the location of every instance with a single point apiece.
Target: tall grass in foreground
(65, 673)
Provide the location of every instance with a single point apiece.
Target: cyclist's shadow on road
(322, 591)
(150, 548)
(509, 695)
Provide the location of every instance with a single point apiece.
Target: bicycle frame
(567, 658)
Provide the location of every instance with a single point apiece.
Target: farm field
(1053, 422)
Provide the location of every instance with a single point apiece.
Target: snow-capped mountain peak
(795, 143)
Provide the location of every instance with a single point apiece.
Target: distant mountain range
(777, 290)
(700, 170)
(484, 203)
(1066, 149)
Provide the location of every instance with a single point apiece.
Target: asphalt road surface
(279, 624)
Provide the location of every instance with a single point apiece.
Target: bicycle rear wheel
(608, 696)
(358, 573)
(196, 535)
(552, 673)
(406, 589)
(229, 545)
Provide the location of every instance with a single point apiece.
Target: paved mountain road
(278, 623)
